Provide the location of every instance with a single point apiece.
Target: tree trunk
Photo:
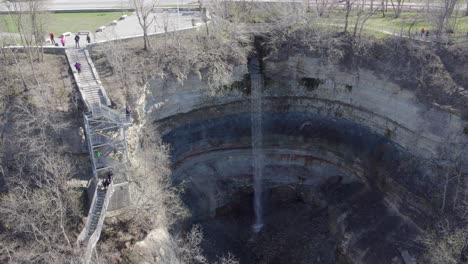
(466, 8)
(145, 40)
(348, 10)
(306, 5)
(444, 196)
(383, 8)
(145, 36)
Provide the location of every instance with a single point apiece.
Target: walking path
(105, 136)
(88, 81)
(105, 130)
(90, 235)
(130, 28)
(53, 5)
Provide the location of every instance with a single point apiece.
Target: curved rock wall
(362, 98)
(320, 125)
(306, 99)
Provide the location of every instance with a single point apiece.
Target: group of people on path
(62, 39)
(106, 182)
(52, 39)
(424, 33)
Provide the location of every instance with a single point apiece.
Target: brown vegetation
(414, 66)
(40, 212)
(211, 57)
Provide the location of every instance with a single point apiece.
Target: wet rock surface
(348, 169)
(353, 226)
(335, 192)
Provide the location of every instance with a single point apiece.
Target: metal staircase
(107, 144)
(88, 81)
(105, 132)
(91, 233)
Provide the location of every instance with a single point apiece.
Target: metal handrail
(94, 238)
(90, 144)
(84, 233)
(100, 139)
(99, 110)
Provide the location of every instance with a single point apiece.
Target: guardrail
(94, 238)
(99, 110)
(90, 144)
(85, 231)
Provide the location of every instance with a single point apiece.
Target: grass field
(407, 18)
(390, 24)
(64, 22)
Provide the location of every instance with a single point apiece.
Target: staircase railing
(94, 238)
(99, 110)
(90, 144)
(100, 113)
(85, 231)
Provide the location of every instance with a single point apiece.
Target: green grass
(405, 21)
(388, 23)
(67, 22)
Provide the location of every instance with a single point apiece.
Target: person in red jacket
(52, 38)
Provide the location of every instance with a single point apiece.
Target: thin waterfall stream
(257, 140)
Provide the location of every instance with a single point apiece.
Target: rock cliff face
(358, 148)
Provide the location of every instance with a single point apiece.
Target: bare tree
(397, 7)
(29, 20)
(306, 4)
(383, 7)
(227, 259)
(466, 8)
(323, 7)
(368, 15)
(144, 11)
(445, 244)
(211, 57)
(155, 202)
(414, 21)
(441, 17)
(348, 7)
(40, 209)
(190, 250)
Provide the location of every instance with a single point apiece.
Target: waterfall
(257, 140)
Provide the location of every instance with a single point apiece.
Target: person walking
(88, 38)
(78, 68)
(62, 40)
(422, 32)
(52, 38)
(128, 112)
(104, 184)
(427, 33)
(77, 41)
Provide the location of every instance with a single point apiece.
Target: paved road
(103, 4)
(131, 28)
(123, 29)
(87, 4)
(98, 4)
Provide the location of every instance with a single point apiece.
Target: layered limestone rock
(372, 141)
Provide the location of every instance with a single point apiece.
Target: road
(105, 4)
(97, 4)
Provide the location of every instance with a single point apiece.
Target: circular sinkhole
(327, 187)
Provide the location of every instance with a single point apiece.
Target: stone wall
(322, 126)
(368, 118)
(366, 99)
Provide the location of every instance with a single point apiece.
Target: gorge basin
(344, 173)
(315, 181)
